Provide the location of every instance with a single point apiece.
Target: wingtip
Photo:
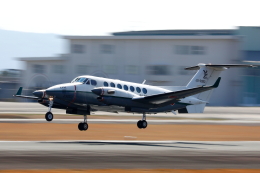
(216, 84)
(19, 92)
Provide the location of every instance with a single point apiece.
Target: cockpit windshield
(80, 79)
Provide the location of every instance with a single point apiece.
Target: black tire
(83, 126)
(80, 126)
(144, 124)
(49, 116)
(139, 124)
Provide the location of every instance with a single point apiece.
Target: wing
(19, 92)
(176, 95)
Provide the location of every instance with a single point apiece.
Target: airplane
(86, 94)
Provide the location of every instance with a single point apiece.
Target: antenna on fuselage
(144, 81)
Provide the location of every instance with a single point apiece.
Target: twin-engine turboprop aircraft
(89, 93)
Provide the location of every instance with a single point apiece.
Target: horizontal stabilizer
(220, 66)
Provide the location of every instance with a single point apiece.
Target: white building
(157, 56)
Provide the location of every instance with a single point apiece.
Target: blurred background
(44, 43)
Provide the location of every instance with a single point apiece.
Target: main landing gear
(142, 124)
(83, 126)
(49, 115)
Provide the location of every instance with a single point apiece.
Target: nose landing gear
(49, 115)
(142, 124)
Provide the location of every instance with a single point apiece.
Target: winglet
(19, 92)
(216, 84)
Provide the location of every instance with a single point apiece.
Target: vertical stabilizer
(205, 75)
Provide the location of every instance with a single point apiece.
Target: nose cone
(39, 93)
(97, 91)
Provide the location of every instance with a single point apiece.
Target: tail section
(206, 75)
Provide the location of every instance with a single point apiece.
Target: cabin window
(74, 80)
(112, 84)
(82, 80)
(93, 82)
(88, 82)
(119, 86)
(126, 87)
(132, 88)
(138, 89)
(144, 90)
(105, 84)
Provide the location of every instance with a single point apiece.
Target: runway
(134, 121)
(128, 154)
(132, 151)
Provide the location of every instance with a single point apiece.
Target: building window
(158, 70)
(82, 69)
(107, 48)
(110, 69)
(38, 68)
(182, 70)
(58, 69)
(131, 69)
(182, 50)
(77, 48)
(189, 50)
(197, 50)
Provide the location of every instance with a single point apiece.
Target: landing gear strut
(49, 115)
(142, 124)
(83, 126)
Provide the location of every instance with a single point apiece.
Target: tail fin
(206, 75)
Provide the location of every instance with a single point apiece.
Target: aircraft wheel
(144, 124)
(139, 124)
(83, 126)
(49, 116)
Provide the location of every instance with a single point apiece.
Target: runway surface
(134, 121)
(128, 154)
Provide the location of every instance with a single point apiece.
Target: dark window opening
(93, 82)
(126, 87)
(105, 84)
(132, 88)
(112, 84)
(119, 86)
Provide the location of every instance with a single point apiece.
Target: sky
(102, 17)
